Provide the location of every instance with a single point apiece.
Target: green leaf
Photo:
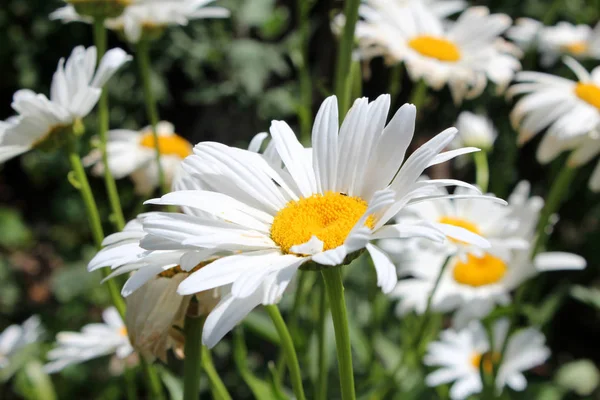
(14, 232)
(587, 295)
(33, 383)
(261, 325)
(173, 384)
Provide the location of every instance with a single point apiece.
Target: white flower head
(275, 212)
(16, 337)
(463, 55)
(462, 354)
(524, 32)
(568, 110)
(579, 41)
(132, 153)
(75, 90)
(148, 19)
(475, 282)
(94, 341)
(475, 130)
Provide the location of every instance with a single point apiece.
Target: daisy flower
(475, 282)
(524, 32)
(16, 337)
(475, 130)
(570, 110)
(316, 208)
(148, 19)
(461, 354)
(580, 41)
(133, 153)
(75, 90)
(463, 55)
(95, 340)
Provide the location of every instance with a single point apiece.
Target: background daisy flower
(132, 153)
(75, 90)
(463, 55)
(461, 354)
(95, 340)
(16, 337)
(579, 41)
(475, 130)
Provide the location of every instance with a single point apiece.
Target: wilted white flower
(16, 337)
(133, 153)
(76, 88)
(95, 340)
(475, 130)
(463, 55)
(461, 354)
(474, 283)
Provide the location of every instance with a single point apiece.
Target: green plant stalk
(344, 56)
(143, 56)
(321, 391)
(482, 170)
(130, 388)
(287, 345)
(217, 385)
(152, 380)
(93, 217)
(418, 97)
(395, 82)
(103, 122)
(335, 293)
(355, 81)
(192, 365)
(305, 109)
(555, 197)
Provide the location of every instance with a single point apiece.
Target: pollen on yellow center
(461, 223)
(576, 48)
(123, 331)
(329, 217)
(488, 359)
(479, 271)
(589, 93)
(168, 145)
(435, 47)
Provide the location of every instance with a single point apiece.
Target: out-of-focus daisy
(133, 153)
(16, 337)
(524, 32)
(474, 283)
(148, 19)
(580, 41)
(75, 90)
(154, 307)
(95, 340)
(463, 55)
(569, 110)
(325, 206)
(474, 130)
(461, 354)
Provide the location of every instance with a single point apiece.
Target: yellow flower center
(123, 331)
(576, 48)
(329, 216)
(461, 223)
(168, 145)
(479, 271)
(589, 93)
(435, 47)
(488, 359)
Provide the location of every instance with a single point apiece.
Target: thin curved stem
(103, 122)
(143, 56)
(344, 57)
(335, 293)
(482, 170)
(395, 83)
(217, 385)
(321, 390)
(287, 345)
(192, 365)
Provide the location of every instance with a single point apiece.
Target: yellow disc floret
(168, 145)
(479, 271)
(576, 48)
(461, 223)
(329, 217)
(589, 93)
(488, 359)
(435, 47)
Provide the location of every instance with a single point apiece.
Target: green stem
(93, 217)
(304, 111)
(559, 188)
(344, 57)
(152, 380)
(321, 391)
(103, 122)
(130, 388)
(192, 364)
(287, 345)
(143, 56)
(418, 96)
(482, 170)
(335, 293)
(217, 385)
(355, 80)
(395, 82)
